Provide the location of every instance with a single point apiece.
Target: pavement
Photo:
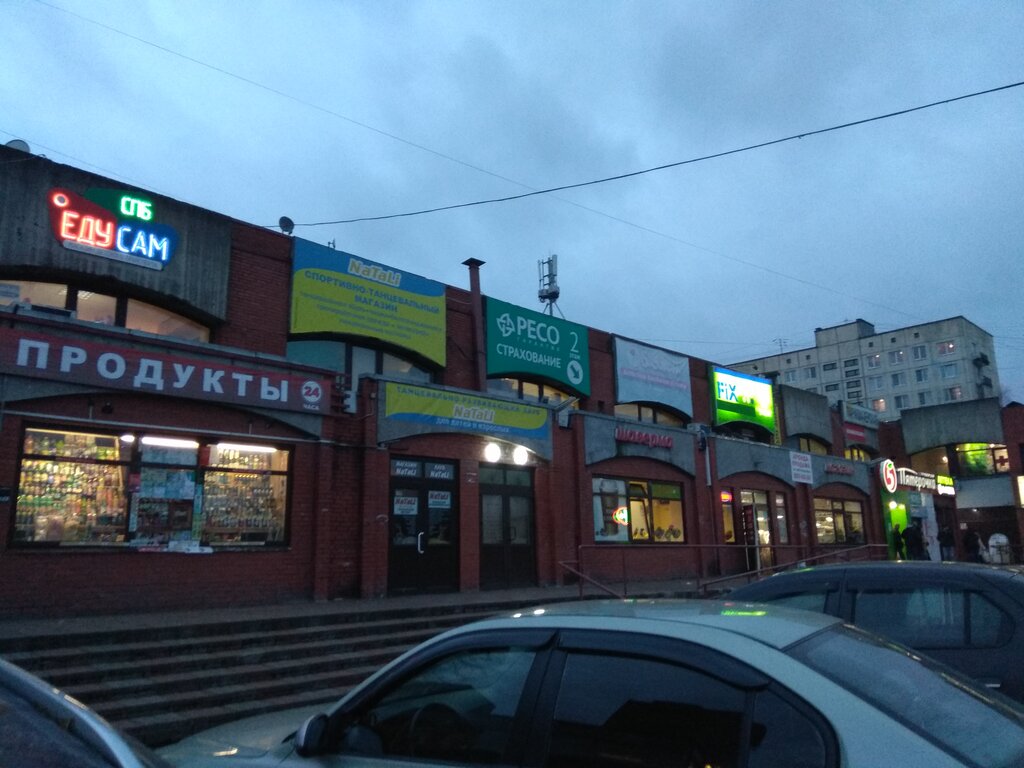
(14, 628)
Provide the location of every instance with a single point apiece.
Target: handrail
(863, 551)
(584, 578)
(839, 553)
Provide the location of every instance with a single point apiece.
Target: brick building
(198, 412)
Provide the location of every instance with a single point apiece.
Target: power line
(666, 166)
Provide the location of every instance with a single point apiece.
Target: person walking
(913, 537)
(972, 547)
(897, 541)
(947, 545)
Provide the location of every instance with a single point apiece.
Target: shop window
(980, 459)
(146, 317)
(934, 461)
(96, 308)
(527, 390)
(811, 445)
(145, 490)
(103, 309)
(648, 414)
(856, 453)
(838, 522)
(637, 511)
(781, 529)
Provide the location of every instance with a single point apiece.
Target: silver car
(643, 683)
(43, 727)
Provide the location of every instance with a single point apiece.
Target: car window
(989, 626)
(29, 737)
(979, 727)
(459, 709)
(931, 617)
(614, 711)
(813, 600)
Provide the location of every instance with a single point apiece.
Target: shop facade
(180, 429)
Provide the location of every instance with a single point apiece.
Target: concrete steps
(162, 683)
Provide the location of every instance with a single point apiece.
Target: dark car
(43, 727)
(970, 616)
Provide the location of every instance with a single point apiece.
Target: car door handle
(419, 541)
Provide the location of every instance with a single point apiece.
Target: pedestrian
(897, 541)
(972, 547)
(947, 545)
(913, 538)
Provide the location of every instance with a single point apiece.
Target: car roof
(774, 625)
(930, 567)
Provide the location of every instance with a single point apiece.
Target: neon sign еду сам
(112, 224)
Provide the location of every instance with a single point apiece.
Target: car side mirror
(309, 739)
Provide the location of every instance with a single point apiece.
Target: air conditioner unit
(39, 309)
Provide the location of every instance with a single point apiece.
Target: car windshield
(978, 726)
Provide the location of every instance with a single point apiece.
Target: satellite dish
(286, 224)
(18, 144)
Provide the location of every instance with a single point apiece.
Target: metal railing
(803, 556)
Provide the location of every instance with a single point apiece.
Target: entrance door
(757, 528)
(423, 519)
(507, 549)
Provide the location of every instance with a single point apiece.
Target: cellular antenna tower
(548, 292)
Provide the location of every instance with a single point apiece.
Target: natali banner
(336, 292)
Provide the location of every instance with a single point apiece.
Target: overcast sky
(326, 110)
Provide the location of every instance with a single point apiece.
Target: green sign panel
(739, 397)
(521, 342)
(336, 292)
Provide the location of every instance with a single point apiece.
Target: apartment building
(933, 363)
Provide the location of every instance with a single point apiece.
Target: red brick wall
(259, 288)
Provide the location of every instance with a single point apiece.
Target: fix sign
(112, 224)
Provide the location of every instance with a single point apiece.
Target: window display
(637, 511)
(148, 491)
(838, 522)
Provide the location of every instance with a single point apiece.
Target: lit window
(896, 356)
(637, 511)
(878, 405)
(945, 348)
(873, 361)
(953, 393)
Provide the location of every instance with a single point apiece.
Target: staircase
(161, 683)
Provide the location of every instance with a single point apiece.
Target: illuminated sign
(621, 516)
(739, 397)
(111, 224)
(336, 292)
(523, 342)
(944, 485)
(726, 497)
(887, 473)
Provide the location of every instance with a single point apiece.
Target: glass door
(423, 553)
(507, 549)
